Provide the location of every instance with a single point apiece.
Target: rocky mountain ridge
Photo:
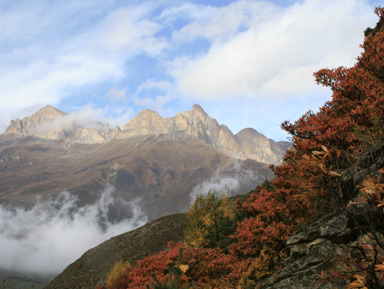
(53, 124)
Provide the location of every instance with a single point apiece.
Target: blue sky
(247, 63)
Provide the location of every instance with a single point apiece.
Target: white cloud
(45, 60)
(45, 82)
(48, 236)
(155, 103)
(277, 55)
(154, 95)
(87, 117)
(128, 29)
(186, 11)
(220, 24)
(116, 94)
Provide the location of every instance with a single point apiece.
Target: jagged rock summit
(30, 124)
(51, 123)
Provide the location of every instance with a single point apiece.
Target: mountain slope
(154, 169)
(91, 269)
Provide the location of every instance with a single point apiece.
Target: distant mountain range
(158, 161)
(53, 124)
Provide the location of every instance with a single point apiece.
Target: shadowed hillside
(92, 268)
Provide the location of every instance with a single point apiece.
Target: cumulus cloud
(47, 59)
(128, 29)
(221, 24)
(275, 55)
(48, 236)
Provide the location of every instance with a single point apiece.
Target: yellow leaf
(355, 284)
(321, 166)
(324, 148)
(317, 153)
(368, 186)
(306, 157)
(183, 268)
(334, 174)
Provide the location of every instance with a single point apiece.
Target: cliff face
(50, 123)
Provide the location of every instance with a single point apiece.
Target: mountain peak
(148, 113)
(145, 121)
(198, 111)
(49, 112)
(198, 108)
(30, 124)
(247, 132)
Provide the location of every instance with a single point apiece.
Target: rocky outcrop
(257, 146)
(312, 250)
(50, 123)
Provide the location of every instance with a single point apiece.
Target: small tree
(210, 221)
(117, 277)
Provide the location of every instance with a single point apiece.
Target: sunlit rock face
(53, 124)
(32, 124)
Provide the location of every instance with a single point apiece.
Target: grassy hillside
(93, 267)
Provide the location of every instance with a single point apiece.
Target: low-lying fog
(47, 237)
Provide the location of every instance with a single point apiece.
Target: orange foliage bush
(207, 267)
